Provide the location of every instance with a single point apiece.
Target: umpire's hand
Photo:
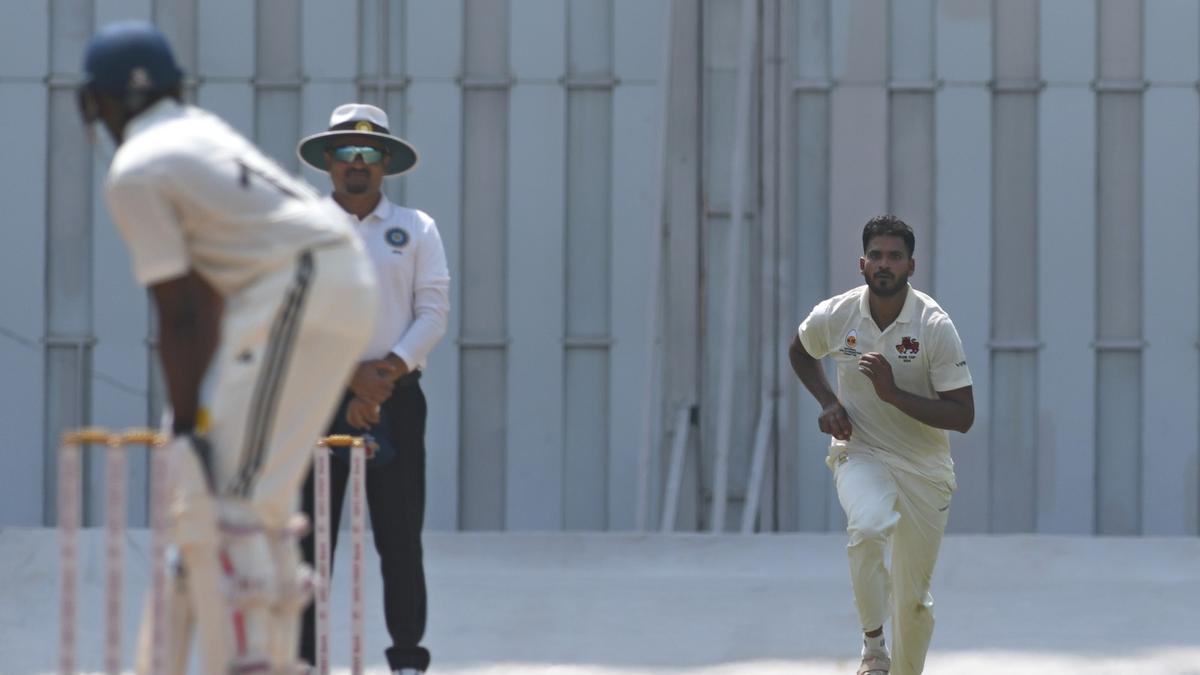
(373, 380)
(361, 415)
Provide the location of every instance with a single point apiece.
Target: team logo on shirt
(396, 237)
(850, 348)
(908, 349)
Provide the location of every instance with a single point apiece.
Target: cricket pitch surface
(624, 604)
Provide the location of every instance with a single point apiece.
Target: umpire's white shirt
(413, 280)
(926, 356)
(186, 192)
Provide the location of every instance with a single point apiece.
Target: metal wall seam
(637, 29)
(586, 264)
(69, 265)
(433, 121)
(1066, 177)
(805, 488)
(1171, 238)
(534, 291)
(1119, 391)
(483, 273)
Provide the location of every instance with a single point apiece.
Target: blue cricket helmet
(130, 57)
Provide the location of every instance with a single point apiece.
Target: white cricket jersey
(926, 356)
(413, 280)
(187, 192)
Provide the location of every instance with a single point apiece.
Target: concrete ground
(618, 604)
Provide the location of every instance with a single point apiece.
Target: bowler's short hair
(889, 226)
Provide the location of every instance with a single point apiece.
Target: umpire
(384, 398)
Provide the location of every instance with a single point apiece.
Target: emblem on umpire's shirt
(396, 237)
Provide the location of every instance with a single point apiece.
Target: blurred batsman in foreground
(266, 296)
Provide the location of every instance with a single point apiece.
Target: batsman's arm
(189, 323)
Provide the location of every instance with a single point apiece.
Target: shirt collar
(382, 212)
(165, 109)
(906, 312)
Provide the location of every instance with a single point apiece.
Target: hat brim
(402, 156)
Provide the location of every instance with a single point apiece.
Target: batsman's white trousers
(288, 344)
(885, 505)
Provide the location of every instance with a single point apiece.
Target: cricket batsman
(265, 295)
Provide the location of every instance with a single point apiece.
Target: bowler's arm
(833, 419)
(953, 410)
(810, 372)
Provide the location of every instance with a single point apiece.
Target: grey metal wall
(1047, 154)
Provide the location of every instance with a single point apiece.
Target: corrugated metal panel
(682, 262)
(588, 263)
(535, 441)
(68, 253)
(880, 107)
(911, 129)
(963, 196)
(484, 332)
(804, 486)
(26, 470)
(435, 125)
(1119, 269)
(1014, 329)
(1171, 215)
(635, 121)
(1067, 302)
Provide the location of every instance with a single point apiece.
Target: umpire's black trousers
(396, 501)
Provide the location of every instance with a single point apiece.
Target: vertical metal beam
(484, 339)
(1119, 274)
(68, 330)
(539, 305)
(1171, 213)
(963, 191)
(806, 181)
(278, 80)
(651, 379)
(760, 484)
(1067, 302)
(741, 141)
(434, 121)
(24, 65)
(682, 334)
(584, 258)
(1014, 337)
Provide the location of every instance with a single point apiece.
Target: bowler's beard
(890, 286)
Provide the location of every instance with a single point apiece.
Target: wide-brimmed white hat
(359, 119)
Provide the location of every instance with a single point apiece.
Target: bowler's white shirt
(926, 356)
(414, 282)
(186, 191)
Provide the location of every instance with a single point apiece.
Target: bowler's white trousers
(885, 505)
